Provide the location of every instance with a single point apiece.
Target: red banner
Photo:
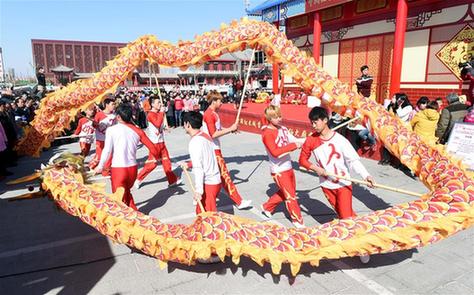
(315, 5)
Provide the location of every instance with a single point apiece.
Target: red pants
(229, 186)
(99, 146)
(341, 200)
(151, 164)
(85, 148)
(124, 177)
(209, 196)
(286, 183)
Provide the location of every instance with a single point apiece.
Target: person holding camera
(467, 74)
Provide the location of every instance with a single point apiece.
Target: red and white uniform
(279, 142)
(155, 133)
(207, 177)
(121, 142)
(102, 121)
(210, 124)
(85, 129)
(336, 155)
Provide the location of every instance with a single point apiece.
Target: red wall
(251, 122)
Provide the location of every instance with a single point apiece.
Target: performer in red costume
(212, 126)
(103, 120)
(121, 142)
(207, 177)
(85, 129)
(279, 142)
(155, 132)
(335, 154)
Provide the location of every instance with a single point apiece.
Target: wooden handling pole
(345, 123)
(71, 136)
(192, 188)
(245, 87)
(333, 129)
(385, 187)
(165, 120)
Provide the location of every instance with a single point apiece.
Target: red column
(275, 70)
(400, 28)
(316, 37)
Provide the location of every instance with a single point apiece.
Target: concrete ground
(43, 250)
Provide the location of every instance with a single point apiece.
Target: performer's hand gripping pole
(185, 170)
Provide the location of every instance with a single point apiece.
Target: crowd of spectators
(16, 111)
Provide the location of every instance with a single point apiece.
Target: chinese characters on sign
(461, 143)
(459, 49)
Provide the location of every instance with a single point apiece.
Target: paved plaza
(45, 250)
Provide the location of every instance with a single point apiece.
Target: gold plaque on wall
(298, 22)
(459, 49)
(369, 5)
(331, 13)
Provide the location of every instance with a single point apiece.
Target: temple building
(83, 57)
(411, 46)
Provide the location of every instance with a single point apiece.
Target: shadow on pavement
(160, 198)
(326, 266)
(369, 199)
(44, 249)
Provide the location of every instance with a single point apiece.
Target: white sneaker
(245, 204)
(266, 213)
(364, 258)
(137, 184)
(177, 183)
(298, 225)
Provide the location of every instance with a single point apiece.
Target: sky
(107, 21)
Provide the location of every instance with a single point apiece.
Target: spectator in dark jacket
(364, 83)
(454, 112)
(170, 111)
(21, 112)
(41, 82)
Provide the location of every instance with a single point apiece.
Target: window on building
(259, 57)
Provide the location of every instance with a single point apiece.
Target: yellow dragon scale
(447, 209)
